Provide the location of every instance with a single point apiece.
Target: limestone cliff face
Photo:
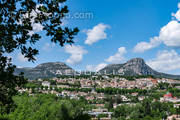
(135, 66)
(138, 67)
(46, 70)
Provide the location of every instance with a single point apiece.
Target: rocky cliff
(133, 67)
(46, 70)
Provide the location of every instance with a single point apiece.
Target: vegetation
(50, 107)
(37, 106)
(17, 18)
(47, 107)
(145, 110)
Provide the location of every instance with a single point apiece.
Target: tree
(118, 99)
(17, 21)
(146, 103)
(47, 107)
(46, 87)
(8, 83)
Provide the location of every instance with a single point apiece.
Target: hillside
(133, 67)
(46, 70)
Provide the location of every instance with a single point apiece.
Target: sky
(113, 32)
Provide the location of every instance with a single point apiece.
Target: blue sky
(116, 31)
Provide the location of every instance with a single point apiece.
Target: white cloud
(169, 35)
(118, 57)
(48, 47)
(144, 46)
(76, 53)
(179, 5)
(21, 58)
(177, 14)
(36, 27)
(96, 34)
(165, 61)
(96, 68)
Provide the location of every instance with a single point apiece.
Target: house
(168, 97)
(107, 118)
(46, 83)
(173, 117)
(90, 98)
(99, 110)
(125, 99)
(140, 98)
(96, 112)
(63, 86)
(22, 91)
(176, 105)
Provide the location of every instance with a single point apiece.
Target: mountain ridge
(46, 70)
(133, 67)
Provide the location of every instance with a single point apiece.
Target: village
(97, 91)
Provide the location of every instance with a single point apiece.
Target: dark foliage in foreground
(17, 18)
